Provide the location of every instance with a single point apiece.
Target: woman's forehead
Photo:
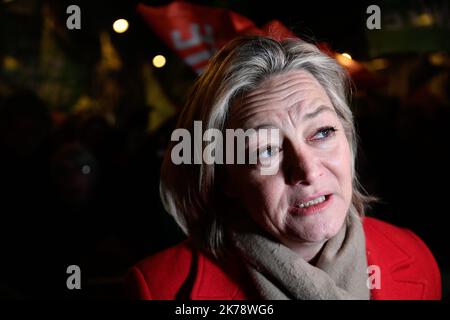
(293, 92)
(281, 80)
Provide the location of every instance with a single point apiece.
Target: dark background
(82, 135)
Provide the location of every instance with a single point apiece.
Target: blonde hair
(189, 192)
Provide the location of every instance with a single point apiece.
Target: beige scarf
(279, 273)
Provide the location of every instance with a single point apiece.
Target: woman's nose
(304, 167)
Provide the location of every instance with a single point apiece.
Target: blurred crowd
(77, 192)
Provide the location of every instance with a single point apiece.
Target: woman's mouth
(311, 206)
(311, 202)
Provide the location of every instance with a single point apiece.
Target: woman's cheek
(339, 163)
(268, 191)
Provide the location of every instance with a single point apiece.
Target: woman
(298, 232)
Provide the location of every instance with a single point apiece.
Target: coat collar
(394, 263)
(382, 249)
(212, 283)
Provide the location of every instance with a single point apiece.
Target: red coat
(408, 270)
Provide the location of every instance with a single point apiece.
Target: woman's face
(307, 198)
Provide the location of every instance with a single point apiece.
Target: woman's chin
(317, 230)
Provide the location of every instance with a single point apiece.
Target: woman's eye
(324, 133)
(268, 152)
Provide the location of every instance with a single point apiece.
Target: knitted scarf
(278, 273)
